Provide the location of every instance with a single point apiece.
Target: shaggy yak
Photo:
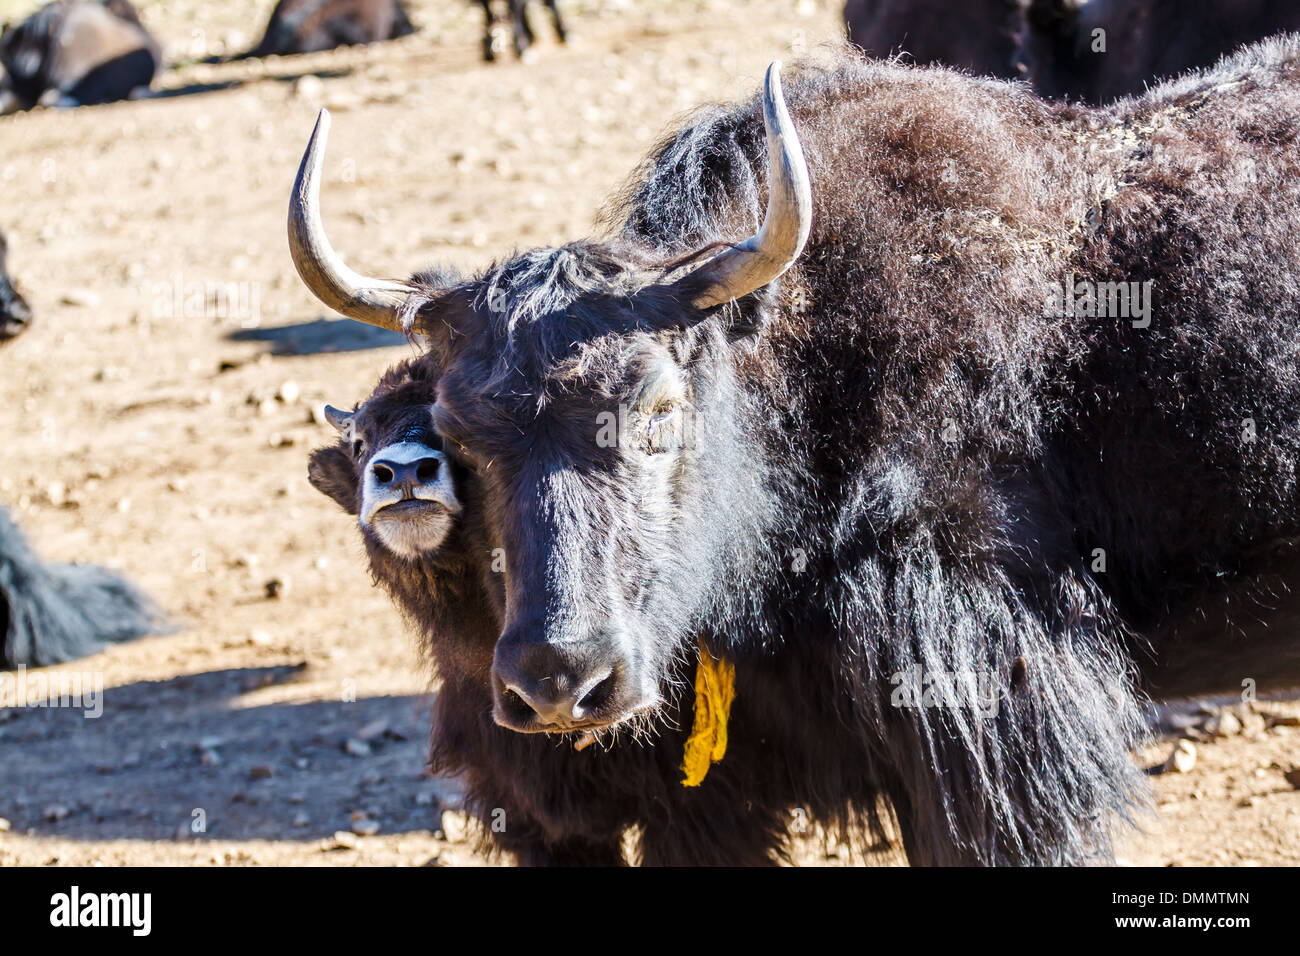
(976, 35)
(521, 31)
(1140, 41)
(50, 613)
(74, 53)
(990, 429)
(309, 26)
(15, 313)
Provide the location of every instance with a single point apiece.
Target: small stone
(1292, 777)
(1223, 724)
(277, 588)
(5, 825)
(370, 731)
(209, 758)
(342, 840)
(261, 772)
(1252, 724)
(55, 812)
(300, 819)
(210, 742)
(288, 392)
(366, 826)
(80, 298)
(455, 826)
(308, 87)
(1183, 758)
(357, 748)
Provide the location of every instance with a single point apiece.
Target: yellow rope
(715, 689)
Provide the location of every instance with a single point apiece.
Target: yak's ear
(332, 472)
(340, 420)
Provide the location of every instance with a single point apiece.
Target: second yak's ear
(333, 473)
(340, 420)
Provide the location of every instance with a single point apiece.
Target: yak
(76, 53)
(521, 31)
(888, 517)
(15, 313)
(51, 613)
(1100, 50)
(980, 36)
(309, 26)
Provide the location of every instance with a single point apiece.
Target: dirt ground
(160, 412)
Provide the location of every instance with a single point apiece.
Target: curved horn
(761, 258)
(373, 301)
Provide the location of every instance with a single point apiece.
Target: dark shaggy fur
(51, 613)
(976, 35)
(15, 313)
(901, 465)
(309, 26)
(83, 52)
(1144, 42)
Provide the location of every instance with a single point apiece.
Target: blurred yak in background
(990, 427)
(521, 31)
(15, 313)
(76, 53)
(50, 613)
(979, 36)
(1100, 50)
(309, 26)
(1093, 51)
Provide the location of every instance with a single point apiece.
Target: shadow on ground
(321, 335)
(162, 750)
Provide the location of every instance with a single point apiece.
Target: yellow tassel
(715, 688)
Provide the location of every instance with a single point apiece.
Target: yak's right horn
(373, 301)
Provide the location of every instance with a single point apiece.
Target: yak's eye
(661, 430)
(358, 448)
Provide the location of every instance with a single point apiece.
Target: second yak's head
(389, 468)
(590, 394)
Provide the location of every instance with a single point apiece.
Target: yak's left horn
(374, 301)
(761, 258)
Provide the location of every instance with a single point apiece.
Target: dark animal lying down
(980, 36)
(1104, 49)
(58, 612)
(15, 313)
(72, 52)
(309, 26)
(990, 428)
(1094, 51)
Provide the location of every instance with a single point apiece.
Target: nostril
(383, 474)
(516, 704)
(597, 697)
(426, 470)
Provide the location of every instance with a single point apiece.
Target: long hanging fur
(59, 612)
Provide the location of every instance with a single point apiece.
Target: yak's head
(15, 314)
(388, 467)
(591, 391)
